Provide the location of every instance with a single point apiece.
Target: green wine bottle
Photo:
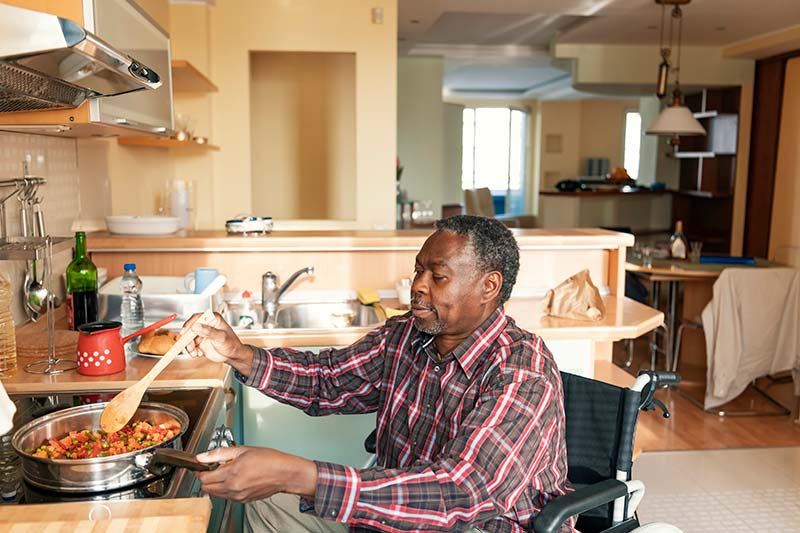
(81, 286)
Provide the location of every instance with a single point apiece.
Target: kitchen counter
(623, 320)
(220, 241)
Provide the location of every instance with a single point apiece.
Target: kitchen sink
(318, 315)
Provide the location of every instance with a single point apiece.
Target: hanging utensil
(36, 292)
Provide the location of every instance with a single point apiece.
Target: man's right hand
(218, 342)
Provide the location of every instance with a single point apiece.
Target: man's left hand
(249, 474)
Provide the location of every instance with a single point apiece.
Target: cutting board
(184, 515)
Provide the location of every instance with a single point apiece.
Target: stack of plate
(142, 225)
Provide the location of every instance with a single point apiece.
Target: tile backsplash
(56, 160)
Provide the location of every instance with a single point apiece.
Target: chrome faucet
(271, 293)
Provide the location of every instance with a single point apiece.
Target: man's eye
(438, 278)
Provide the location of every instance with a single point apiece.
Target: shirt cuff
(338, 487)
(261, 365)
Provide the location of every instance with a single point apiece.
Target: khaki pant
(281, 514)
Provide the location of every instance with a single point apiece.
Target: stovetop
(204, 407)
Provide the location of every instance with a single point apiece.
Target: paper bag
(576, 298)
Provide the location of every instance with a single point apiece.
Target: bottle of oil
(8, 340)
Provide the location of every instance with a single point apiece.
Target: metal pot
(100, 346)
(98, 473)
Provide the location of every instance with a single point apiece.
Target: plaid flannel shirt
(473, 439)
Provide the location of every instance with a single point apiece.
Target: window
(633, 141)
(493, 144)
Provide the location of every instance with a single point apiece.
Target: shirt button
(414, 443)
(333, 513)
(427, 406)
(436, 369)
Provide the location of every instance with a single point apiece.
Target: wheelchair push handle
(667, 378)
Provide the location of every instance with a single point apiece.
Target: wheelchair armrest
(559, 510)
(369, 442)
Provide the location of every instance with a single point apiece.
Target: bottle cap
(129, 266)
(246, 294)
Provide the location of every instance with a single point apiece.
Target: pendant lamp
(676, 119)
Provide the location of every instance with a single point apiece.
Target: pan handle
(179, 458)
(154, 325)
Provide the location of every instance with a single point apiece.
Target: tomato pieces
(87, 444)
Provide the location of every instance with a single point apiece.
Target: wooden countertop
(180, 374)
(180, 515)
(218, 240)
(626, 321)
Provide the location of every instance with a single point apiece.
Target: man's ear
(492, 283)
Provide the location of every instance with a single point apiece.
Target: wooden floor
(691, 428)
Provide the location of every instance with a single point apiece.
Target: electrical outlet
(377, 15)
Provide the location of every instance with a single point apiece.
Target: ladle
(123, 406)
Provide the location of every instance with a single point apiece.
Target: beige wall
(302, 138)
(603, 129)
(428, 134)
(785, 227)
(237, 28)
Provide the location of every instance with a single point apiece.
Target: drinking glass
(647, 256)
(695, 248)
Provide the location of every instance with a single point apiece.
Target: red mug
(101, 349)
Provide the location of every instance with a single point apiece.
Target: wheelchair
(600, 430)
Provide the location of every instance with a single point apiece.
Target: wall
(785, 226)
(303, 134)
(68, 194)
(428, 134)
(603, 129)
(237, 28)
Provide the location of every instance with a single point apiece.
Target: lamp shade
(676, 120)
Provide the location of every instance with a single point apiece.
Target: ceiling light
(676, 119)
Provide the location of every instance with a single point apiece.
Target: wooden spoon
(123, 406)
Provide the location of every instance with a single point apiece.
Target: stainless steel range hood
(47, 62)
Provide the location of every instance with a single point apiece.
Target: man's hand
(218, 343)
(250, 474)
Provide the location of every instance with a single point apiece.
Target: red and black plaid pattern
(473, 439)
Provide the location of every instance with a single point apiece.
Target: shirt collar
(468, 353)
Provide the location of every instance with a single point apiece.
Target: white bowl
(142, 225)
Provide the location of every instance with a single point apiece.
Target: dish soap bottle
(678, 245)
(247, 316)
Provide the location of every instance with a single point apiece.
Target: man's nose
(420, 284)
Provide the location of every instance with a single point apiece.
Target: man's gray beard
(434, 329)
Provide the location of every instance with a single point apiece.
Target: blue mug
(198, 280)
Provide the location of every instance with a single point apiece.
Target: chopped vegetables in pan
(87, 443)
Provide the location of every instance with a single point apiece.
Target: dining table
(675, 272)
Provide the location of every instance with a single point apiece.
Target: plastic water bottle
(132, 311)
(8, 339)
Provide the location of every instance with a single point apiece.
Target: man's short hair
(493, 244)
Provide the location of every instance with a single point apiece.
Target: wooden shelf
(155, 142)
(186, 78)
(692, 155)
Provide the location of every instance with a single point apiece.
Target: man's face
(447, 288)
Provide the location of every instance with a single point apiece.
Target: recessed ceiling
(455, 29)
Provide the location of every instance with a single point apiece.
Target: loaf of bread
(157, 342)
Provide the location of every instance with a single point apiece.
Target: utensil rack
(29, 248)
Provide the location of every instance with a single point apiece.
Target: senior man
(470, 416)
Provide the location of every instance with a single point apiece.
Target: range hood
(47, 62)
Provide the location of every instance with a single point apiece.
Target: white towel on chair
(752, 328)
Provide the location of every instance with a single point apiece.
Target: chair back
(600, 429)
(479, 202)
